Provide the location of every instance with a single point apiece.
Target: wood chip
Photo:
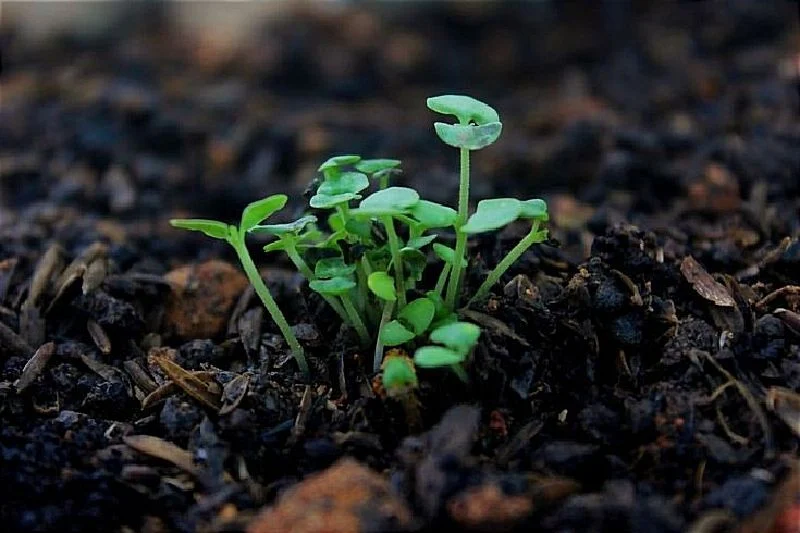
(161, 449)
(49, 266)
(35, 365)
(234, 392)
(95, 274)
(139, 376)
(705, 285)
(160, 394)
(188, 382)
(108, 372)
(32, 325)
(99, 336)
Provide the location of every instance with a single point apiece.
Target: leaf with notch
(382, 285)
(534, 209)
(466, 136)
(421, 242)
(389, 201)
(260, 210)
(436, 357)
(433, 215)
(493, 214)
(458, 336)
(339, 161)
(323, 201)
(332, 267)
(418, 314)
(333, 286)
(284, 229)
(447, 254)
(347, 182)
(394, 333)
(372, 166)
(466, 108)
(212, 228)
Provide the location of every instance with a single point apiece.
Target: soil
(639, 372)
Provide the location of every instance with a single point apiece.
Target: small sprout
(493, 215)
(399, 377)
(457, 338)
(382, 285)
(212, 228)
(437, 357)
(258, 211)
(465, 108)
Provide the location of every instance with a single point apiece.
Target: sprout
(252, 216)
(458, 340)
(379, 169)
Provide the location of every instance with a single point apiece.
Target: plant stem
(394, 247)
(461, 238)
(460, 372)
(355, 318)
(306, 271)
(386, 316)
(237, 240)
(442, 279)
(383, 181)
(494, 276)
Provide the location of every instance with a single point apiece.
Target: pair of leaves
(479, 124)
(496, 213)
(457, 340)
(335, 277)
(412, 321)
(255, 213)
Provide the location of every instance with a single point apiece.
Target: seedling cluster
(365, 252)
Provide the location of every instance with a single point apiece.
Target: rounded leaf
(333, 286)
(389, 201)
(283, 229)
(398, 374)
(420, 242)
(339, 161)
(447, 254)
(323, 201)
(458, 336)
(433, 215)
(437, 357)
(394, 334)
(347, 182)
(535, 209)
(493, 214)
(333, 267)
(260, 210)
(466, 108)
(371, 166)
(466, 136)
(212, 228)
(382, 285)
(418, 314)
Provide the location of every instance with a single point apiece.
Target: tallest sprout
(478, 126)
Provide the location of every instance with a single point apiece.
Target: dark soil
(619, 384)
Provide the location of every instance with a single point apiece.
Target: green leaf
(436, 357)
(382, 284)
(339, 161)
(433, 215)
(323, 201)
(493, 214)
(332, 267)
(466, 108)
(420, 242)
(447, 254)
(418, 314)
(399, 374)
(347, 182)
(371, 166)
(415, 263)
(535, 208)
(466, 136)
(458, 336)
(332, 287)
(212, 228)
(360, 228)
(275, 246)
(394, 334)
(284, 229)
(380, 257)
(389, 201)
(261, 210)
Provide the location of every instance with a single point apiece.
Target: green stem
(394, 247)
(383, 181)
(494, 276)
(305, 270)
(461, 238)
(361, 329)
(250, 269)
(442, 279)
(386, 316)
(460, 372)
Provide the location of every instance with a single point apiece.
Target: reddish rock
(202, 298)
(487, 508)
(345, 498)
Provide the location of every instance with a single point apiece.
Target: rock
(202, 299)
(345, 498)
(488, 508)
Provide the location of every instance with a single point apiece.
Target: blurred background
(613, 110)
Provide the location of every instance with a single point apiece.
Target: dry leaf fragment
(99, 336)
(705, 285)
(161, 449)
(190, 383)
(234, 392)
(35, 365)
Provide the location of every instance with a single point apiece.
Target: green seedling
(478, 126)
(457, 340)
(379, 169)
(494, 214)
(252, 216)
(335, 280)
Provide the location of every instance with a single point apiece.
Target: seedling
(457, 340)
(253, 215)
